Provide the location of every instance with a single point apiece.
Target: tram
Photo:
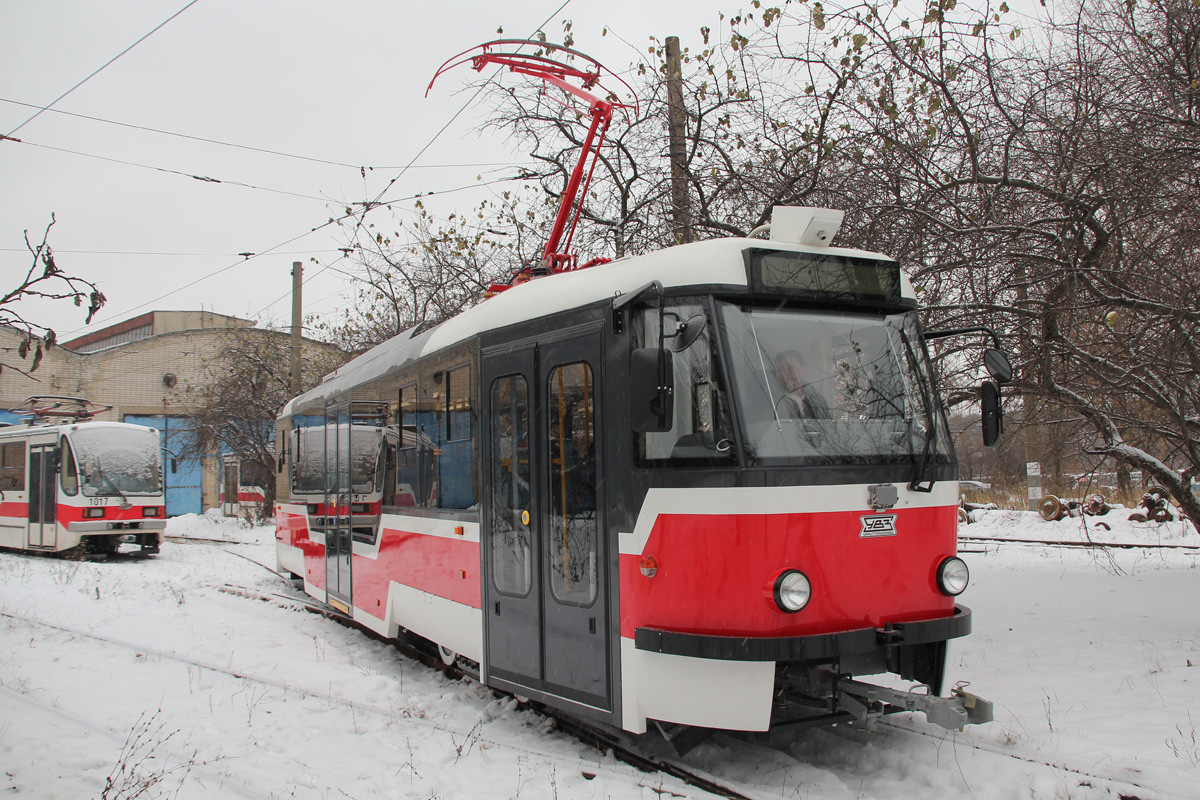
(69, 484)
(709, 486)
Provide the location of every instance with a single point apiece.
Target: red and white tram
(710, 486)
(79, 485)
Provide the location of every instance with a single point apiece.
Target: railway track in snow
(589, 769)
(1122, 788)
(1081, 544)
(631, 754)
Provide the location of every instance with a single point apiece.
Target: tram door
(42, 495)
(338, 486)
(545, 597)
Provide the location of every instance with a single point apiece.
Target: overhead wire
(252, 148)
(202, 178)
(367, 206)
(245, 257)
(102, 67)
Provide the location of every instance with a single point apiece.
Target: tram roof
(711, 264)
(22, 429)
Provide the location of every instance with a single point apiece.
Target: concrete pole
(676, 130)
(297, 324)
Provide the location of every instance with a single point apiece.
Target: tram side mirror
(998, 365)
(688, 332)
(651, 399)
(174, 466)
(993, 413)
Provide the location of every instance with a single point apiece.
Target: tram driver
(801, 401)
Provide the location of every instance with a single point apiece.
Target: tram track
(612, 742)
(1085, 545)
(1118, 784)
(606, 741)
(642, 762)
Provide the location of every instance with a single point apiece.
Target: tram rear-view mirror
(998, 365)
(993, 413)
(650, 390)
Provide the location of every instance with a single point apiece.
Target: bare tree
(242, 390)
(44, 280)
(1045, 188)
(1048, 191)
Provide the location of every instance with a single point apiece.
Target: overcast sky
(142, 214)
(335, 81)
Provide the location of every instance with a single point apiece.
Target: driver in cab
(801, 401)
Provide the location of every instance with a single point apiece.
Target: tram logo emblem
(876, 525)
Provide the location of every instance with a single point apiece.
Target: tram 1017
(72, 485)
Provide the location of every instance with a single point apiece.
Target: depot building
(143, 368)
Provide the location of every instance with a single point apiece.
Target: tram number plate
(876, 525)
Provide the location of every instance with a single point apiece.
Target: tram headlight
(952, 576)
(792, 591)
(93, 512)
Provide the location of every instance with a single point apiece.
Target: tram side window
(12, 466)
(511, 546)
(702, 427)
(70, 473)
(414, 454)
(572, 532)
(308, 449)
(456, 456)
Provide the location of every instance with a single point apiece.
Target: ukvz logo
(878, 525)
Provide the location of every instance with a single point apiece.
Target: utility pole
(297, 320)
(676, 130)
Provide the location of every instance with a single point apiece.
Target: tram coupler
(866, 702)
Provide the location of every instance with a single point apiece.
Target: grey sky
(339, 81)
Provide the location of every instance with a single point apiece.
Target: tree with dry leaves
(44, 280)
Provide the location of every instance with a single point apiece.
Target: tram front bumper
(116, 525)
(818, 647)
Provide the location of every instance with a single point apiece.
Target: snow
(1092, 658)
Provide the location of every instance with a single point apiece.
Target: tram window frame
(687, 443)
(411, 457)
(447, 405)
(69, 469)
(12, 466)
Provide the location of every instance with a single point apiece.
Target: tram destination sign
(789, 272)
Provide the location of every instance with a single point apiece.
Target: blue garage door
(182, 477)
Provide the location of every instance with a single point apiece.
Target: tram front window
(113, 462)
(833, 388)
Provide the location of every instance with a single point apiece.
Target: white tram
(602, 490)
(71, 484)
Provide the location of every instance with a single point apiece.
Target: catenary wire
(367, 207)
(203, 178)
(47, 107)
(251, 256)
(252, 148)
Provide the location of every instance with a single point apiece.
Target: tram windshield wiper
(104, 476)
(919, 482)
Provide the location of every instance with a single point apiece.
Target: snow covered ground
(167, 673)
